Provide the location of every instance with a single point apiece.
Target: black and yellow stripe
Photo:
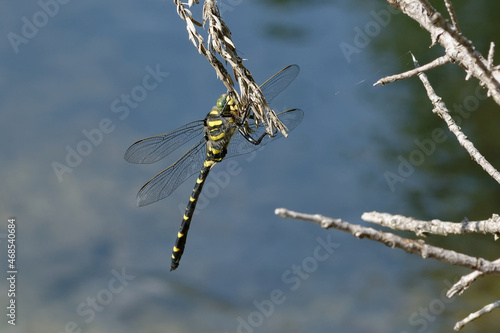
(180, 242)
(219, 129)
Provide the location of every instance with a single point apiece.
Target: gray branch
(392, 240)
(465, 281)
(488, 308)
(456, 46)
(433, 64)
(442, 111)
(435, 227)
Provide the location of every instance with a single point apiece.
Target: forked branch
(392, 240)
(457, 47)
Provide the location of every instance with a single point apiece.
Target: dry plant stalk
(458, 49)
(219, 41)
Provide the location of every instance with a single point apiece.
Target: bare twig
(433, 64)
(465, 281)
(491, 54)
(435, 227)
(442, 111)
(391, 240)
(457, 47)
(453, 17)
(488, 308)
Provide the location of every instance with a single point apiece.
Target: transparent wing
(239, 145)
(291, 118)
(279, 81)
(154, 148)
(164, 183)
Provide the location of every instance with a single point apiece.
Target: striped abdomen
(218, 133)
(180, 242)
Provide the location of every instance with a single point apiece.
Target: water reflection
(74, 233)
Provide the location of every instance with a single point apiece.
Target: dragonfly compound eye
(221, 102)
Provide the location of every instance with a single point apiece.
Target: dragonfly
(222, 134)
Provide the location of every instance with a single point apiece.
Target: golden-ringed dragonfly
(224, 134)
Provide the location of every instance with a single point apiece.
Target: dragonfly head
(226, 105)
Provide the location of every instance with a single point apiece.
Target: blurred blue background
(89, 260)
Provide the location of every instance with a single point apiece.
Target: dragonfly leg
(252, 140)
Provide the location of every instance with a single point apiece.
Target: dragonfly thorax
(219, 128)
